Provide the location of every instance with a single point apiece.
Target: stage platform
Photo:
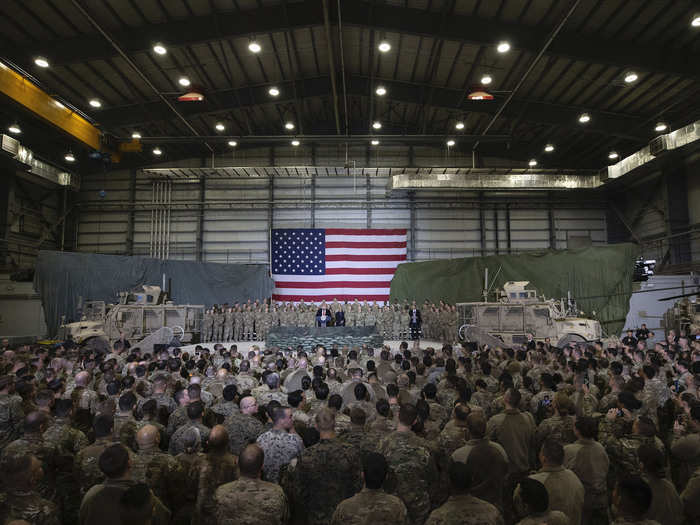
(245, 346)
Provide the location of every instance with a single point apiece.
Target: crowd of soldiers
(252, 321)
(581, 435)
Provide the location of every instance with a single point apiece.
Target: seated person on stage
(323, 315)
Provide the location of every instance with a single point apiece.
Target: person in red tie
(323, 315)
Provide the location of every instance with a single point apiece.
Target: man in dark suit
(414, 321)
(323, 315)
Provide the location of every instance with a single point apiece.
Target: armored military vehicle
(136, 315)
(683, 316)
(519, 311)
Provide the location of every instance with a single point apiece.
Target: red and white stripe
(359, 265)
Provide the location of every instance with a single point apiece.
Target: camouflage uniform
(207, 326)
(251, 501)
(177, 441)
(370, 506)
(125, 430)
(223, 409)
(247, 318)
(280, 447)
(67, 442)
(86, 468)
(237, 324)
(325, 474)
(258, 322)
(215, 469)
(11, 417)
(397, 326)
(28, 506)
(622, 449)
(413, 474)
(177, 419)
(555, 427)
(463, 509)
(161, 472)
(243, 429)
(218, 326)
(228, 324)
(163, 400)
(451, 438)
(351, 315)
(36, 445)
(101, 504)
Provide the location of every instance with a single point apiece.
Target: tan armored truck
(136, 315)
(519, 311)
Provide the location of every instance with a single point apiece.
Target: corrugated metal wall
(235, 214)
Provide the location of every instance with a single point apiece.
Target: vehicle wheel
(570, 338)
(97, 344)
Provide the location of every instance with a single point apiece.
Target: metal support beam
(22, 91)
(199, 235)
(607, 123)
(412, 225)
(270, 216)
(677, 216)
(495, 229)
(475, 30)
(508, 244)
(368, 186)
(552, 225)
(130, 217)
(482, 224)
(6, 192)
(313, 200)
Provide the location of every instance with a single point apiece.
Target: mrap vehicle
(518, 312)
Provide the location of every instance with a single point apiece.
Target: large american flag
(322, 264)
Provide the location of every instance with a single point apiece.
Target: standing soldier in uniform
(207, 329)
(258, 320)
(247, 317)
(228, 324)
(275, 315)
(397, 324)
(237, 323)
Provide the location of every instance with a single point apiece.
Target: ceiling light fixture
(220, 127)
(549, 148)
(159, 49)
(450, 143)
(14, 129)
(273, 92)
(384, 46)
(381, 91)
(69, 157)
(613, 155)
(631, 77)
(295, 143)
(660, 126)
(157, 151)
(695, 22)
(532, 163)
(503, 47)
(136, 135)
(486, 79)
(375, 143)
(184, 81)
(584, 118)
(459, 125)
(41, 62)
(232, 143)
(254, 47)
(289, 125)
(95, 103)
(377, 125)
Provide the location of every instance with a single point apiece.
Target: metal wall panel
(236, 216)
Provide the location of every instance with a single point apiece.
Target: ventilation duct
(37, 167)
(657, 147)
(456, 179)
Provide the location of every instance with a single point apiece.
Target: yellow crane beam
(30, 96)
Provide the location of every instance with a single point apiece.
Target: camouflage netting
(61, 278)
(351, 336)
(600, 279)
